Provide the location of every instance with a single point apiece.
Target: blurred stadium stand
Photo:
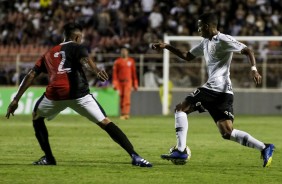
(29, 27)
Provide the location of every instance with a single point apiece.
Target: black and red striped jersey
(67, 79)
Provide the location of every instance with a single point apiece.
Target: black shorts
(219, 105)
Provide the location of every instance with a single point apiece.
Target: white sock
(181, 127)
(246, 139)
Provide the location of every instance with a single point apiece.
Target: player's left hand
(256, 77)
(102, 75)
(135, 88)
(11, 108)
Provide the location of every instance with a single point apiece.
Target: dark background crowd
(110, 24)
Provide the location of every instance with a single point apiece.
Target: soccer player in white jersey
(216, 95)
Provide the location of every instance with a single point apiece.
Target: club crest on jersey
(128, 63)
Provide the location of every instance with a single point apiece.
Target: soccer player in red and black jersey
(68, 87)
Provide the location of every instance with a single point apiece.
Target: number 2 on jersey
(61, 69)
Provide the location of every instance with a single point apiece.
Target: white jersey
(218, 55)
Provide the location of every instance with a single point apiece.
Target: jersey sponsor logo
(61, 69)
(213, 48)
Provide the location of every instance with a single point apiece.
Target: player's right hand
(116, 88)
(158, 46)
(11, 108)
(256, 77)
(102, 75)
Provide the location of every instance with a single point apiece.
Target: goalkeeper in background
(216, 95)
(124, 79)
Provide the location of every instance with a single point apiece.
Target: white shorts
(86, 106)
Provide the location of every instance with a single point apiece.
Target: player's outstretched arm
(89, 64)
(27, 81)
(255, 74)
(183, 55)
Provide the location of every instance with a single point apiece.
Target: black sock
(41, 134)
(118, 136)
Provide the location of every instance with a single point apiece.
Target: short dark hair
(209, 18)
(70, 28)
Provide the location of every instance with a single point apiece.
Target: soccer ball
(181, 162)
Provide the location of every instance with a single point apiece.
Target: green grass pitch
(86, 154)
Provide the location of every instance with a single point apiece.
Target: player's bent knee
(104, 122)
(185, 107)
(180, 107)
